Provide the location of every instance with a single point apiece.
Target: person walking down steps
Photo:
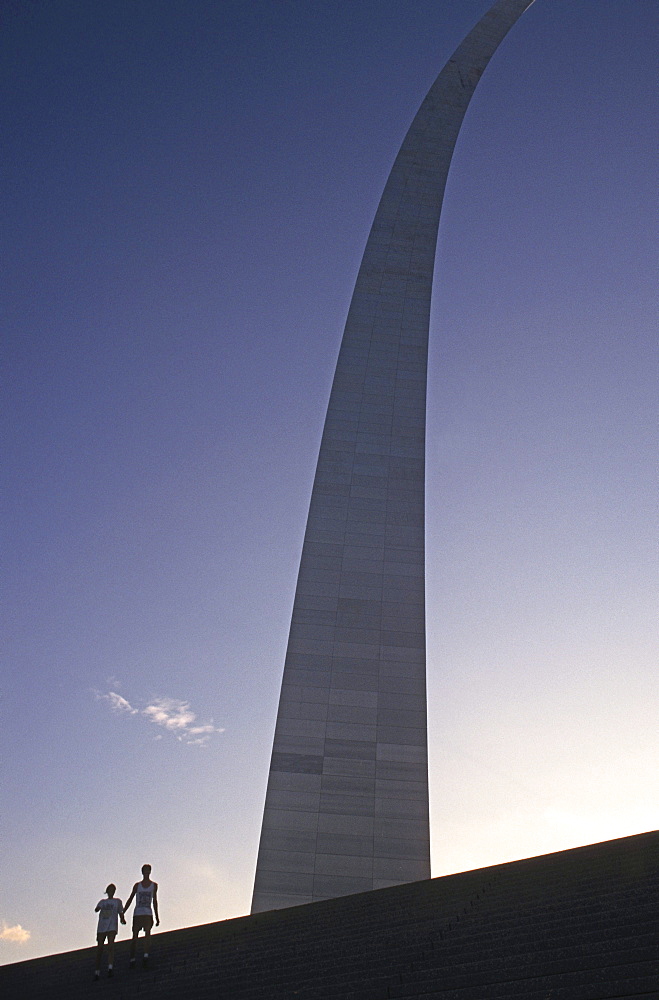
(110, 911)
(146, 905)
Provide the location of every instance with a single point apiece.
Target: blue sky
(186, 198)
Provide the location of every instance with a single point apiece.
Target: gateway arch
(346, 806)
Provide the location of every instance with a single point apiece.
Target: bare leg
(147, 939)
(110, 950)
(99, 952)
(133, 943)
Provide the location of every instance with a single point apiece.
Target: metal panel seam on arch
(346, 806)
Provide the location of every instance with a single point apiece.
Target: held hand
(157, 922)
(122, 919)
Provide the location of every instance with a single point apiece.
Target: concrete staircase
(576, 925)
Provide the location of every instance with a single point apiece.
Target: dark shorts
(102, 935)
(142, 922)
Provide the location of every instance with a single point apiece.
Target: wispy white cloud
(171, 714)
(118, 703)
(15, 934)
(178, 718)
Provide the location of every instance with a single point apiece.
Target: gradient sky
(186, 197)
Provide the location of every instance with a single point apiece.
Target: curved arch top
(347, 801)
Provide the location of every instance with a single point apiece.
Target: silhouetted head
(111, 889)
(146, 870)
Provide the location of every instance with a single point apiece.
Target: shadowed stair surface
(576, 925)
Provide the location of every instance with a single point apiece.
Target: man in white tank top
(146, 904)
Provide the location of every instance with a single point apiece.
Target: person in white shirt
(146, 904)
(110, 911)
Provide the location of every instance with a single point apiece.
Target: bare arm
(130, 898)
(155, 903)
